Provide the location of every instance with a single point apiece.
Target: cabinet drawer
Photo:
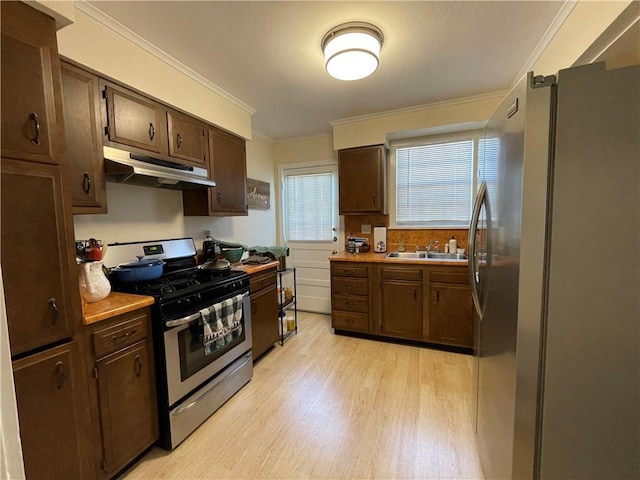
(130, 330)
(261, 280)
(352, 286)
(349, 270)
(401, 273)
(461, 277)
(350, 303)
(350, 321)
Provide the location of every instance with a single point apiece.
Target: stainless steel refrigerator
(555, 252)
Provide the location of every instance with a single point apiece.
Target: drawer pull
(350, 270)
(152, 131)
(115, 338)
(54, 307)
(179, 140)
(349, 304)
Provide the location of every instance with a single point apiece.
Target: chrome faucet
(436, 248)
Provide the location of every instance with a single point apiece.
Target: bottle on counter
(453, 245)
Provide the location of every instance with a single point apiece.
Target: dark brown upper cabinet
(81, 98)
(362, 180)
(133, 120)
(188, 139)
(228, 168)
(32, 121)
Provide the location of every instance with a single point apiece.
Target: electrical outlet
(207, 233)
(365, 228)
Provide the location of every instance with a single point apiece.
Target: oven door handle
(183, 320)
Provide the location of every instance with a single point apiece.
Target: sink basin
(406, 255)
(423, 255)
(447, 256)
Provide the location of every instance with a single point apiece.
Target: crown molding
(137, 40)
(303, 137)
(546, 39)
(420, 108)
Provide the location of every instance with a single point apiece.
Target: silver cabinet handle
(473, 229)
(60, 376)
(54, 307)
(86, 182)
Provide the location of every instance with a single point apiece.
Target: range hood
(121, 166)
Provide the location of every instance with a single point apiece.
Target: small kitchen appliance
(380, 239)
(203, 357)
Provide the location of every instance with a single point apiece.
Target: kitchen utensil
(209, 248)
(232, 254)
(94, 286)
(139, 271)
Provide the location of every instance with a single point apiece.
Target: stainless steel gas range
(201, 330)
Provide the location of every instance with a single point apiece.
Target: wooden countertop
(115, 304)
(374, 257)
(251, 269)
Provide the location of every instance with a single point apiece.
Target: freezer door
(590, 412)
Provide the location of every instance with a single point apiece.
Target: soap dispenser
(453, 245)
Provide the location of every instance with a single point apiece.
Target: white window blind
(434, 183)
(309, 207)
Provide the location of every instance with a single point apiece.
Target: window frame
(475, 135)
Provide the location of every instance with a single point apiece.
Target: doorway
(310, 227)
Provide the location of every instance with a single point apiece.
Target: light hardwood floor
(326, 406)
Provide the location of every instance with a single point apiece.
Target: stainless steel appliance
(194, 376)
(555, 278)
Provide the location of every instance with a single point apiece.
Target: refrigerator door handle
(474, 275)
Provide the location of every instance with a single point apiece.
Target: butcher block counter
(251, 269)
(115, 304)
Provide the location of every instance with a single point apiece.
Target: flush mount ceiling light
(352, 50)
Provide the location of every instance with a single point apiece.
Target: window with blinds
(434, 182)
(310, 205)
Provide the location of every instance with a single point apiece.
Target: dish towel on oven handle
(221, 323)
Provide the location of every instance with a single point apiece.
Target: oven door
(189, 364)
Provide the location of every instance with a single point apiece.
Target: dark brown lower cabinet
(401, 302)
(264, 310)
(53, 414)
(125, 390)
(450, 314)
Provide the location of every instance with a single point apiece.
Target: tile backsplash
(410, 237)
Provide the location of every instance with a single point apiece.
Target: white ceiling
(267, 54)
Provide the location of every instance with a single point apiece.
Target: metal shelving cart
(287, 302)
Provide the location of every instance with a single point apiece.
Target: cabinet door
(361, 178)
(228, 168)
(401, 309)
(135, 121)
(450, 314)
(128, 411)
(36, 247)
(264, 320)
(31, 110)
(81, 95)
(188, 139)
(52, 413)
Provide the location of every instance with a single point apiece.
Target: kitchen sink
(431, 255)
(447, 256)
(406, 255)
